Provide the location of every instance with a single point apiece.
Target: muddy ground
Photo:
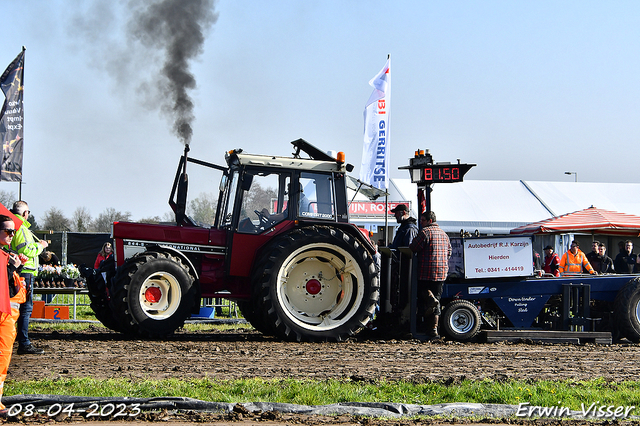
(245, 353)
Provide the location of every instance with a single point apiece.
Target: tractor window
(316, 197)
(264, 202)
(229, 197)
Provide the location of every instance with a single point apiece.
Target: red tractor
(281, 247)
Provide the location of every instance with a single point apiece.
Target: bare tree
(81, 220)
(55, 220)
(153, 220)
(105, 219)
(34, 225)
(202, 209)
(168, 217)
(258, 198)
(7, 198)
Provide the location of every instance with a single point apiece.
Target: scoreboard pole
(427, 197)
(425, 173)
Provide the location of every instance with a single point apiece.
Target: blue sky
(526, 90)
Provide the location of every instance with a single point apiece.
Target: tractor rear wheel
(253, 310)
(461, 320)
(626, 310)
(254, 317)
(316, 284)
(153, 293)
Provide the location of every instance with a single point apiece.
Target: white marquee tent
(496, 207)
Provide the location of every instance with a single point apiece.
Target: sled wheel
(317, 284)
(461, 320)
(154, 293)
(626, 310)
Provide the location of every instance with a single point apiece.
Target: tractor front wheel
(99, 297)
(154, 293)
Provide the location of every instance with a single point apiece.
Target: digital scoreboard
(423, 171)
(443, 173)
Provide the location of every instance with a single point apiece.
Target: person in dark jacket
(537, 262)
(49, 258)
(594, 255)
(625, 262)
(405, 234)
(606, 263)
(408, 228)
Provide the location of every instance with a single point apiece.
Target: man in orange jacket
(13, 289)
(574, 260)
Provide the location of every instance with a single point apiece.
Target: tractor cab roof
(317, 161)
(270, 161)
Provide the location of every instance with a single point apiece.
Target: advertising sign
(495, 257)
(374, 208)
(522, 310)
(456, 261)
(359, 208)
(374, 169)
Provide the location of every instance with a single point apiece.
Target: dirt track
(100, 353)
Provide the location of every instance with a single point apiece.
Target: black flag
(11, 120)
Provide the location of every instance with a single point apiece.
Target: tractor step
(544, 336)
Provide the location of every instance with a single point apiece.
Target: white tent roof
(567, 197)
(490, 206)
(496, 207)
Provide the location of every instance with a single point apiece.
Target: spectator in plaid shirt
(434, 250)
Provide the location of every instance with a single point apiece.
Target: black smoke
(176, 28)
(150, 44)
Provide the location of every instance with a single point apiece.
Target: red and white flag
(375, 152)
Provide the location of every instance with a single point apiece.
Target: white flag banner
(375, 152)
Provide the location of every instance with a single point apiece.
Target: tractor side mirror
(223, 183)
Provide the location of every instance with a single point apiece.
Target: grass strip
(575, 395)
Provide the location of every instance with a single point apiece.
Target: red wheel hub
(153, 294)
(313, 286)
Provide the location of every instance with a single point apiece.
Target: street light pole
(572, 173)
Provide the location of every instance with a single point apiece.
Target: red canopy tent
(591, 220)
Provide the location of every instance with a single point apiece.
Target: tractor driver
(304, 206)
